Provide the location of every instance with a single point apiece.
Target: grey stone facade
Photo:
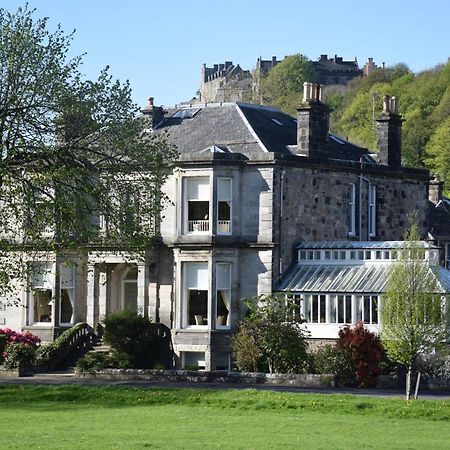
(286, 181)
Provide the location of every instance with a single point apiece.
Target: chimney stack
(312, 123)
(435, 188)
(153, 115)
(389, 133)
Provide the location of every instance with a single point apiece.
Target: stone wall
(315, 207)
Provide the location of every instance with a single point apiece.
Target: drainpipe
(280, 222)
(361, 179)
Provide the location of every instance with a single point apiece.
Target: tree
(73, 152)
(414, 316)
(283, 85)
(270, 337)
(438, 150)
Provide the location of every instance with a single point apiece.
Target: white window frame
(72, 295)
(372, 216)
(124, 282)
(352, 210)
(48, 284)
(219, 199)
(203, 226)
(227, 324)
(184, 297)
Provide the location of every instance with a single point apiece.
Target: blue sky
(160, 45)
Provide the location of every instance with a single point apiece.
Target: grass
(81, 417)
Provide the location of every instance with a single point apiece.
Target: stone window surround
(212, 259)
(214, 175)
(55, 319)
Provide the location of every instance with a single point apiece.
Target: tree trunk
(416, 392)
(408, 383)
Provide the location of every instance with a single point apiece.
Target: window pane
(348, 309)
(359, 301)
(315, 309)
(197, 306)
(66, 305)
(341, 312)
(374, 309)
(223, 294)
(198, 188)
(322, 309)
(307, 308)
(42, 305)
(223, 275)
(366, 309)
(223, 308)
(130, 292)
(224, 189)
(196, 275)
(333, 312)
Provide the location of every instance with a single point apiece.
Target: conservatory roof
(316, 245)
(358, 279)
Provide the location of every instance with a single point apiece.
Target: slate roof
(243, 128)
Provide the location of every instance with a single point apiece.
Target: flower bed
(17, 352)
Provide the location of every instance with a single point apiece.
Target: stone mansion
(260, 202)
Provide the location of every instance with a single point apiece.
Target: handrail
(70, 340)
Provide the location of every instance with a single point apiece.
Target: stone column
(142, 289)
(92, 294)
(104, 280)
(56, 288)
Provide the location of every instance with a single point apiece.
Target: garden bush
(365, 352)
(434, 365)
(94, 361)
(133, 339)
(332, 359)
(3, 342)
(17, 350)
(18, 355)
(270, 337)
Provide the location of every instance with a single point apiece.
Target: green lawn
(72, 417)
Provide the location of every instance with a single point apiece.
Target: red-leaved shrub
(365, 351)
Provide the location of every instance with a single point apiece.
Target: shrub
(18, 337)
(17, 349)
(19, 355)
(94, 361)
(270, 337)
(246, 353)
(3, 342)
(332, 359)
(132, 339)
(364, 350)
(434, 365)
